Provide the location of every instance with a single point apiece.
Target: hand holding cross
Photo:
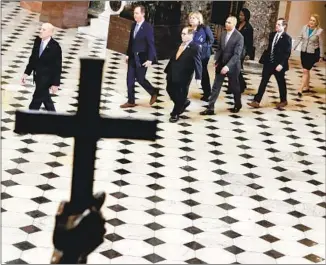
(87, 126)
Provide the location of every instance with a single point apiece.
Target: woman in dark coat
(247, 32)
(203, 37)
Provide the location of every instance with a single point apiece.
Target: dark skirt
(308, 60)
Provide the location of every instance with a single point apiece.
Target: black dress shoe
(243, 89)
(207, 112)
(307, 91)
(174, 118)
(236, 109)
(186, 105)
(204, 98)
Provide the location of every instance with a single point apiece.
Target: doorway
(220, 11)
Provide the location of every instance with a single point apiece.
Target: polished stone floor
(244, 188)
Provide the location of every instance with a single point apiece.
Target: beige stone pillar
(263, 18)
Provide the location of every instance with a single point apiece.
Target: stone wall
(263, 18)
(202, 6)
(33, 6)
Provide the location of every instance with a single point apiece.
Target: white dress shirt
(137, 27)
(185, 44)
(228, 35)
(44, 43)
(277, 36)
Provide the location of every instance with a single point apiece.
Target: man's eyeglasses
(182, 33)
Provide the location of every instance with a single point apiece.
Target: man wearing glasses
(179, 72)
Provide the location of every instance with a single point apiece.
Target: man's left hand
(147, 63)
(225, 70)
(279, 68)
(54, 89)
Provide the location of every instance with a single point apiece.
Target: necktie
(227, 38)
(41, 48)
(136, 30)
(180, 50)
(274, 43)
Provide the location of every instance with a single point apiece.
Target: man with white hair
(46, 64)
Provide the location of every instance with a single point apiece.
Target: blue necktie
(41, 49)
(136, 30)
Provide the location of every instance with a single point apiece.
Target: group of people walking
(234, 45)
(192, 56)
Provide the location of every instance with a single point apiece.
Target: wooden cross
(87, 127)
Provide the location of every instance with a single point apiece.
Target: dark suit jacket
(181, 70)
(204, 37)
(143, 44)
(230, 54)
(282, 51)
(48, 65)
(248, 36)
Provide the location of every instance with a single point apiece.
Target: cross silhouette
(87, 127)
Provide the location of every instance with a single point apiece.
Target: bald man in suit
(227, 63)
(46, 64)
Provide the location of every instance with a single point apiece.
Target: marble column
(96, 8)
(263, 18)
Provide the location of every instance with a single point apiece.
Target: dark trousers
(242, 82)
(205, 81)
(234, 87)
(42, 95)
(177, 93)
(137, 73)
(268, 71)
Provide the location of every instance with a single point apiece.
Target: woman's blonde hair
(197, 15)
(316, 16)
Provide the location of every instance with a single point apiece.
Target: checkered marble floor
(244, 188)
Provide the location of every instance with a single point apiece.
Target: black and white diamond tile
(239, 188)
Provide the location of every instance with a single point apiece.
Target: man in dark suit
(227, 63)
(180, 69)
(46, 64)
(141, 54)
(276, 62)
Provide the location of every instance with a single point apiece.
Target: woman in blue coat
(204, 37)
